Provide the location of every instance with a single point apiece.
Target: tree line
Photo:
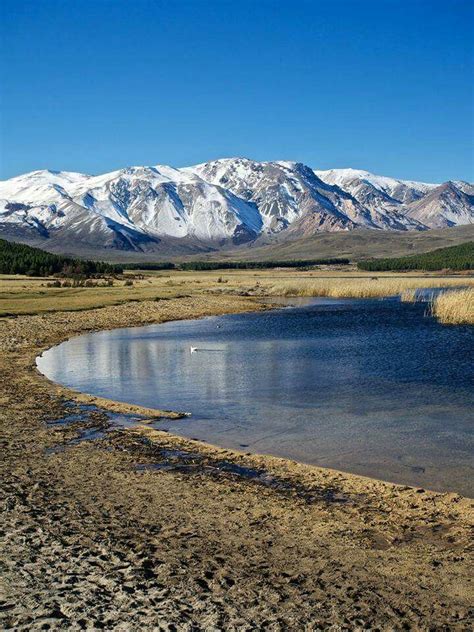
(21, 259)
(234, 265)
(458, 258)
(18, 258)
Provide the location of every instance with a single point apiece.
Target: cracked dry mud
(140, 530)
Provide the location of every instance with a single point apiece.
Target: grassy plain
(31, 295)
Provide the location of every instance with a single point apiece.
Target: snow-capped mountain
(450, 204)
(434, 205)
(282, 191)
(145, 203)
(401, 191)
(285, 192)
(219, 202)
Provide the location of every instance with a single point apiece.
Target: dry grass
(416, 295)
(36, 300)
(27, 295)
(23, 295)
(455, 307)
(364, 288)
(409, 296)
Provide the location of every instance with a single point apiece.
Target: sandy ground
(141, 530)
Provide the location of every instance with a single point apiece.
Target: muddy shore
(136, 529)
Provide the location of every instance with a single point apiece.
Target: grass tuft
(455, 307)
(409, 296)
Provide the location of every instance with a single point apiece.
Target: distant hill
(454, 258)
(21, 259)
(355, 245)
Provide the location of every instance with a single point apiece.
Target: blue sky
(96, 85)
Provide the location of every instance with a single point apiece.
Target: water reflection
(372, 387)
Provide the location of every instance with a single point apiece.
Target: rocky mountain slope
(214, 204)
(433, 205)
(451, 204)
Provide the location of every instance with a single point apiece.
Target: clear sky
(93, 85)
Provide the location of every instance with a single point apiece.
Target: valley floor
(91, 541)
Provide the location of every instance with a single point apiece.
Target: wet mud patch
(162, 458)
(77, 423)
(86, 422)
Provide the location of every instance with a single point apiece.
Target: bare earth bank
(95, 539)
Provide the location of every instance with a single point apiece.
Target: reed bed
(362, 288)
(455, 307)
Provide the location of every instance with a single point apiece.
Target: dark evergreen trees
(452, 258)
(21, 259)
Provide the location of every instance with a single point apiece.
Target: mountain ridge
(224, 202)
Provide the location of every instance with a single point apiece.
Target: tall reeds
(361, 288)
(455, 307)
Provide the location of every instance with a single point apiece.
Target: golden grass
(23, 295)
(363, 288)
(409, 296)
(40, 300)
(415, 296)
(455, 307)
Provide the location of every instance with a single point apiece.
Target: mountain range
(216, 204)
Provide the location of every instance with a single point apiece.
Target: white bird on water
(194, 349)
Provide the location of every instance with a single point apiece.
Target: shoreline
(149, 414)
(126, 408)
(418, 526)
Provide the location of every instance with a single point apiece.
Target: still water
(373, 387)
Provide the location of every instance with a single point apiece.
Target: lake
(374, 387)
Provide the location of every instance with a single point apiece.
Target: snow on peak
(342, 177)
(229, 198)
(40, 187)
